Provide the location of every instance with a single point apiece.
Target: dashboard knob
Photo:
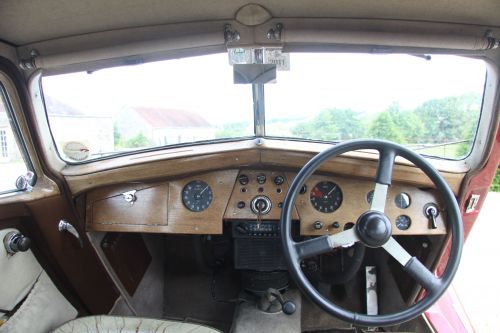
(15, 242)
(318, 225)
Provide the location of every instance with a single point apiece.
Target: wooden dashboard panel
(355, 203)
(209, 221)
(245, 194)
(159, 206)
(108, 210)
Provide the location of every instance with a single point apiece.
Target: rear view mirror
(254, 73)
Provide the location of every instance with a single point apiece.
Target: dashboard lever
(431, 212)
(68, 227)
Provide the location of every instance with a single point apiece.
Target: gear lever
(269, 299)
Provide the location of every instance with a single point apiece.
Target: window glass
(432, 106)
(12, 164)
(163, 103)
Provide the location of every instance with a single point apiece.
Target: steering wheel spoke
(413, 266)
(324, 244)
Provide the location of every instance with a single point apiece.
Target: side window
(12, 162)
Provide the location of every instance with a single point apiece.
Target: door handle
(68, 227)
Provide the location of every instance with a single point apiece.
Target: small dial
(278, 180)
(403, 222)
(369, 197)
(243, 179)
(402, 200)
(261, 178)
(326, 197)
(197, 196)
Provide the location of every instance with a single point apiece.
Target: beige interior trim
(101, 47)
(387, 39)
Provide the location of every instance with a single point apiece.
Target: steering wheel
(373, 229)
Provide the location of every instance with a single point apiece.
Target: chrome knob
(16, 242)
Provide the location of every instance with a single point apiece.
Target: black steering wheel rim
(454, 223)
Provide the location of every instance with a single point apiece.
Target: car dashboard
(199, 204)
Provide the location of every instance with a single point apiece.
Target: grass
(495, 186)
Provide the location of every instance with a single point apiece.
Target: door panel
(80, 265)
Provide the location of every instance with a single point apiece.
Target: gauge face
(261, 178)
(197, 196)
(403, 222)
(326, 197)
(369, 197)
(402, 200)
(243, 179)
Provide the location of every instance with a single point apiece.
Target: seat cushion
(115, 324)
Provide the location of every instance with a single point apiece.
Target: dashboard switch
(318, 225)
(241, 204)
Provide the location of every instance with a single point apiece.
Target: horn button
(374, 228)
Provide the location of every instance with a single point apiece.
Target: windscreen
(431, 104)
(166, 103)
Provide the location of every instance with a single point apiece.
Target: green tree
(332, 124)
(383, 127)
(232, 130)
(447, 119)
(117, 136)
(407, 123)
(138, 141)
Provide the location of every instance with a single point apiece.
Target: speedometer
(326, 197)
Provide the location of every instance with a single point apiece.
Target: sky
(362, 82)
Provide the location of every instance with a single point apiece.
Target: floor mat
(190, 297)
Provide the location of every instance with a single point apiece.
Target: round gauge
(326, 197)
(402, 200)
(369, 197)
(278, 180)
(403, 222)
(243, 179)
(197, 196)
(261, 178)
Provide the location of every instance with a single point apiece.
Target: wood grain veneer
(355, 203)
(181, 162)
(159, 207)
(274, 192)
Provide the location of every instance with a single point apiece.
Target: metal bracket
(493, 43)
(275, 33)
(29, 64)
(230, 35)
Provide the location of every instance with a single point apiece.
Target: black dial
(261, 178)
(326, 197)
(403, 222)
(278, 180)
(243, 179)
(197, 196)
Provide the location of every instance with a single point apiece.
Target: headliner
(26, 21)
